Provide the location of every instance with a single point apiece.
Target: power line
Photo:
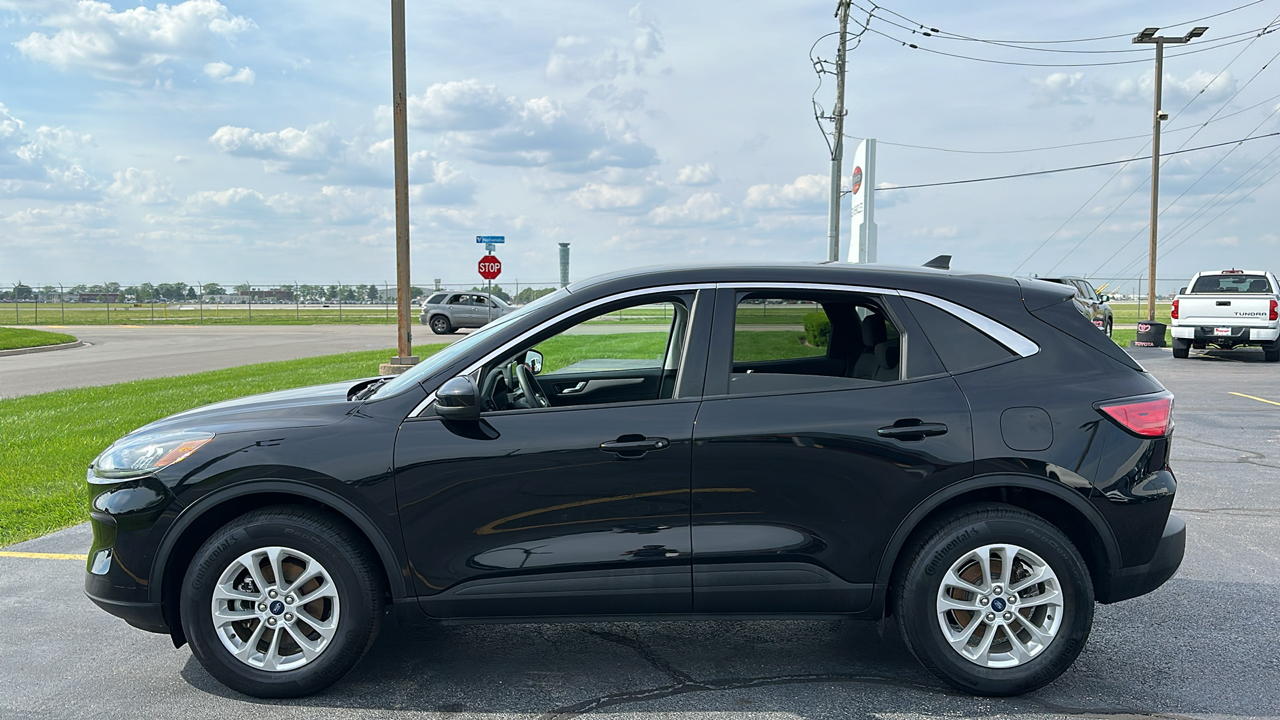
(1205, 47)
(1077, 40)
(1074, 167)
(1145, 145)
(1069, 145)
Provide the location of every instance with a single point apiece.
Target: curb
(42, 348)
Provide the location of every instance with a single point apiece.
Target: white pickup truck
(1227, 309)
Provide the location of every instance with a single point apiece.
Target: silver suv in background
(445, 312)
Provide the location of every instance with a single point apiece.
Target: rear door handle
(914, 431)
(634, 446)
(1222, 303)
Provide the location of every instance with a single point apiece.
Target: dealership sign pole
(862, 199)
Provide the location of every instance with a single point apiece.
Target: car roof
(962, 286)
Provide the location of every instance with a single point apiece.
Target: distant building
(92, 297)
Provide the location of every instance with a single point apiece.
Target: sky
(229, 141)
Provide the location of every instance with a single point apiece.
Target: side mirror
(458, 399)
(1104, 298)
(1182, 291)
(534, 359)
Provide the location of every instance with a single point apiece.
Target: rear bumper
(1238, 336)
(1131, 582)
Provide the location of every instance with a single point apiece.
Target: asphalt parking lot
(1204, 645)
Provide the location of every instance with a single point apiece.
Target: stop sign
(490, 267)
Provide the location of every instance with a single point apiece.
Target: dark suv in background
(1091, 304)
(963, 453)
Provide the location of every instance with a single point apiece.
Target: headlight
(133, 457)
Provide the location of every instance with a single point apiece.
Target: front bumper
(142, 615)
(1131, 582)
(1238, 335)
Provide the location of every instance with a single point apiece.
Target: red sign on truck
(490, 267)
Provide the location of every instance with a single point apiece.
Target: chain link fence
(229, 303)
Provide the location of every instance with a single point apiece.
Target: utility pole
(837, 146)
(1148, 36)
(400, 132)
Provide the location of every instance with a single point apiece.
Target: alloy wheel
(275, 609)
(999, 606)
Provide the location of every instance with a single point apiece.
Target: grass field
(1131, 312)
(194, 314)
(18, 338)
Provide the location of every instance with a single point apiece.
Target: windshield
(446, 356)
(1232, 283)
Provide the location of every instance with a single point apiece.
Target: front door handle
(634, 446)
(912, 430)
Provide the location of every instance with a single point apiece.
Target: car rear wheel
(281, 602)
(995, 601)
(1271, 351)
(1181, 347)
(440, 325)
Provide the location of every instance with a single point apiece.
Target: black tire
(440, 325)
(1271, 352)
(1109, 326)
(1181, 347)
(346, 558)
(916, 594)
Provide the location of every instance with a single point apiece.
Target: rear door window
(1233, 283)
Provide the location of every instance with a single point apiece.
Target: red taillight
(1173, 311)
(1149, 418)
(1273, 314)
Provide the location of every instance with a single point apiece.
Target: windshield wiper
(366, 388)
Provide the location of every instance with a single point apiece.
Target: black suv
(964, 453)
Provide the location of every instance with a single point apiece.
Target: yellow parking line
(42, 556)
(1269, 402)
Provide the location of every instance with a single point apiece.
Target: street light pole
(404, 342)
(1148, 36)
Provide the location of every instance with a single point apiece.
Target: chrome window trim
(431, 397)
(1007, 337)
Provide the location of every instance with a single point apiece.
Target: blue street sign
(490, 239)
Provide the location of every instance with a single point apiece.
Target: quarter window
(958, 344)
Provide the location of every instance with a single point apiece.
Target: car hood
(313, 406)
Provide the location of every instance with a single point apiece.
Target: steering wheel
(531, 390)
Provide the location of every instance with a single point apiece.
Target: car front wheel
(995, 601)
(281, 602)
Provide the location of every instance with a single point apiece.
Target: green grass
(50, 439)
(1129, 313)
(749, 345)
(16, 338)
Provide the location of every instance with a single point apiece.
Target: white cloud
(1228, 241)
(807, 192)
(701, 174)
(38, 165)
(223, 72)
(700, 209)
(145, 187)
(1077, 88)
(614, 198)
(460, 105)
(304, 152)
(131, 44)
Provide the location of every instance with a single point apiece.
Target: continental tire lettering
(938, 557)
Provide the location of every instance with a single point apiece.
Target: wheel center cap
(276, 607)
(996, 604)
